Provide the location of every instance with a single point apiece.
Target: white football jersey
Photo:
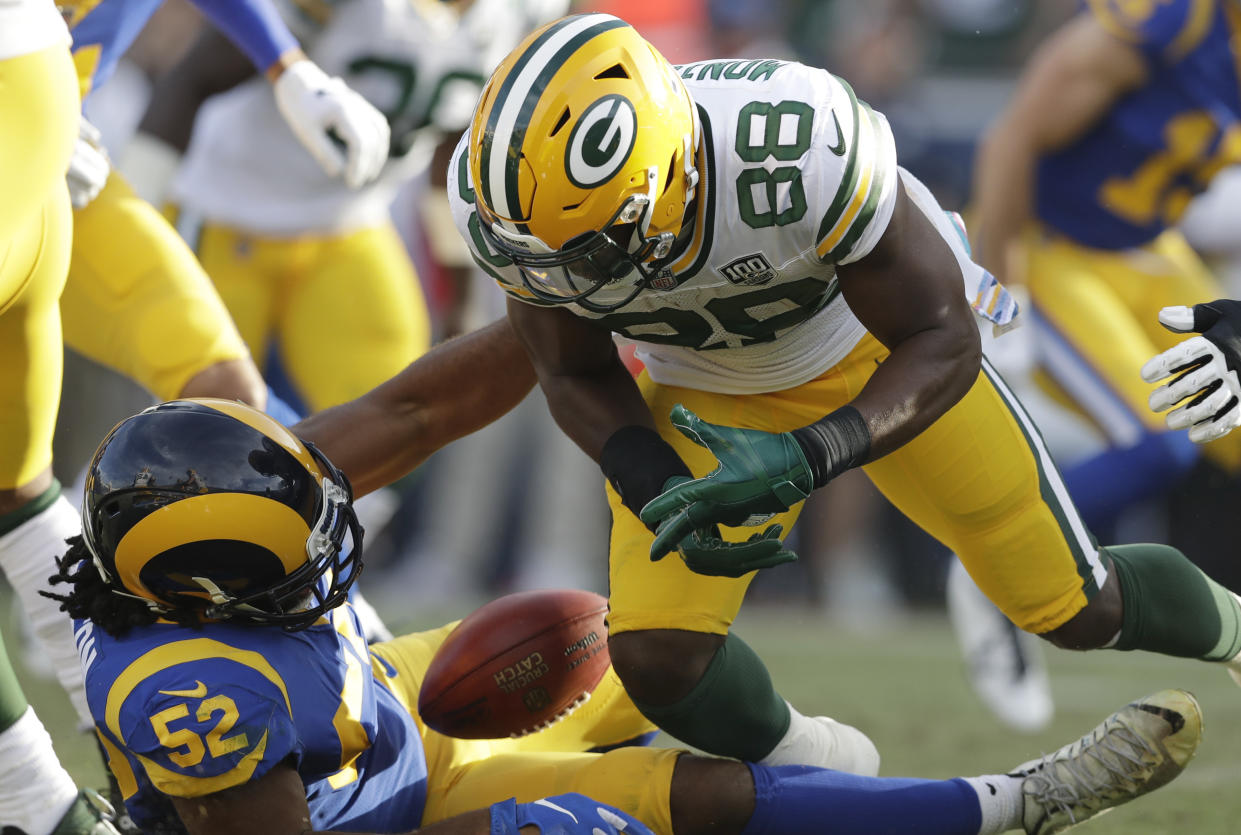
(797, 177)
(28, 26)
(420, 62)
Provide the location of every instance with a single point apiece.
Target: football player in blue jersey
(136, 299)
(1120, 118)
(229, 685)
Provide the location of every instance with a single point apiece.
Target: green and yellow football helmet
(213, 509)
(582, 160)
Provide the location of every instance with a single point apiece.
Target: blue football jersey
(191, 711)
(1133, 174)
(102, 30)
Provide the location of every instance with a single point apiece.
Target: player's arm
(907, 292)
(275, 804)
(595, 400)
(456, 388)
(340, 129)
(1069, 84)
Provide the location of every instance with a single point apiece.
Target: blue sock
(795, 799)
(1103, 485)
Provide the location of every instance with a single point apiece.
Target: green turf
(902, 682)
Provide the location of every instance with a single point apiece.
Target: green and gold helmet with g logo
(212, 508)
(582, 159)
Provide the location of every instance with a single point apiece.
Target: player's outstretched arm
(456, 388)
(1200, 374)
(1071, 81)
(595, 400)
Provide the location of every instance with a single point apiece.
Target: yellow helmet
(582, 160)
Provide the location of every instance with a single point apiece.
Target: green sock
(733, 711)
(12, 700)
(1171, 607)
(31, 509)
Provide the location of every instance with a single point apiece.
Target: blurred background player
(316, 275)
(1082, 208)
(307, 266)
(39, 107)
(139, 301)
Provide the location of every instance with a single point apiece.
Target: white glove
(88, 167)
(1201, 371)
(341, 130)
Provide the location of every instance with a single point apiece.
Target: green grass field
(903, 684)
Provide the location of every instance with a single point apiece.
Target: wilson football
(516, 665)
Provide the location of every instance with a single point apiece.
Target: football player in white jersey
(798, 298)
(300, 260)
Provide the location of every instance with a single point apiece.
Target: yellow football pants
(137, 300)
(1096, 319)
(467, 774)
(39, 111)
(346, 312)
(979, 480)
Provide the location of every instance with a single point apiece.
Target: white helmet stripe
(509, 104)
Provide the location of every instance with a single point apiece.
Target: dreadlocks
(92, 598)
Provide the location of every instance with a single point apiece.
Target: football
(518, 664)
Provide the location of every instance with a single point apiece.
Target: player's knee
(710, 794)
(661, 666)
(1095, 625)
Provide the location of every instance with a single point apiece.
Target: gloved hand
(341, 130)
(759, 474)
(88, 167)
(1203, 370)
(563, 814)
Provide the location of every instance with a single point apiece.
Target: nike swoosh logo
(197, 693)
(839, 148)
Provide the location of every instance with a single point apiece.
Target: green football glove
(704, 551)
(759, 474)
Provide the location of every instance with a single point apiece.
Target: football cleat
(1004, 664)
(1141, 747)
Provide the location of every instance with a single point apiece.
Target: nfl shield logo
(750, 270)
(664, 281)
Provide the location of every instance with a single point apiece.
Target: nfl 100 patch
(750, 270)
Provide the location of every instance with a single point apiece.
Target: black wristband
(637, 463)
(834, 443)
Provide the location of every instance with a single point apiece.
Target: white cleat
(1005, 665)
(1141, 747)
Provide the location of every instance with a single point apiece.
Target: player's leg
(40, 94)
(1089, 312)
(669, 627)
(38, 91)
(354, 317)
(982, 481)
(139, 302)
(1137, 749)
